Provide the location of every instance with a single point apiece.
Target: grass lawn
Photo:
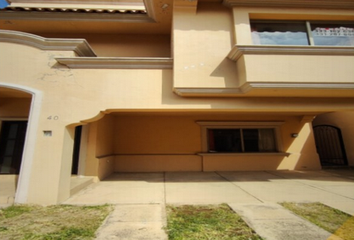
(207, 222)
(52, 222)
(332, 220)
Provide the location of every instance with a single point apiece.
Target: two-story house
(92, 87)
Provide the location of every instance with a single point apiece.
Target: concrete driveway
(334, 188)
(140, 200)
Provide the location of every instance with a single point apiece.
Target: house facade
(95, 87)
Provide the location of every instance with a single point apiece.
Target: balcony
(296, 71)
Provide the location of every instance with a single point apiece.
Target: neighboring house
(91, 87)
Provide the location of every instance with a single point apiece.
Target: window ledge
(247, 154)
(239, 50)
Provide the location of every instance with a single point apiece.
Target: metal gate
(330, 147)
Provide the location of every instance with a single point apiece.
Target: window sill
(246, 154)
(239, 50)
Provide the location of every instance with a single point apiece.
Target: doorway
(12, 139)
(76, 150)
(330, 147)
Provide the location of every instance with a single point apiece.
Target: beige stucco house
(92, 87)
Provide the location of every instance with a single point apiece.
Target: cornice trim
(247, 87)
(320, 4)
(79, 46)
(239, 50)
(116, 63)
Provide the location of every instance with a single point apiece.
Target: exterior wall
(156, 135)
(157, 163)
(344, 121)
(201, 43)
(99, 161)
(299, 69)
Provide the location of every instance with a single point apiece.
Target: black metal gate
(330, 147)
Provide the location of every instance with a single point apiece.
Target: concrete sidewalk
(271, 221)
(245, 192)
(129, 222)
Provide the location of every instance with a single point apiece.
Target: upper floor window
(302, 33)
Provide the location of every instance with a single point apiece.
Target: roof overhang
(94, 16)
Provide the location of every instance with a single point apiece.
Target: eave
(75, 14)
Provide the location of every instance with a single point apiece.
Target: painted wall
(201, 43)
(156, 135)
(343, 121)
(100, 143)
(300, 69)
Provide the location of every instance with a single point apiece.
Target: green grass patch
(57, 222)
(207, 222)
(330, 219)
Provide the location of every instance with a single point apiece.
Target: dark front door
(12, 139)
(330, 147)
(76, 151)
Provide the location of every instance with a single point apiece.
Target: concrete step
(80, 182)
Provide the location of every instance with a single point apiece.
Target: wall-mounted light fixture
(47, 133)
(294, 135)
(165, 6)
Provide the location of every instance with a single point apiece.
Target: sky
(3, 3)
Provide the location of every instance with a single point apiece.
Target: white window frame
(307, 25)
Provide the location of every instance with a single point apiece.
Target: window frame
(307, 25)
(206, 125)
